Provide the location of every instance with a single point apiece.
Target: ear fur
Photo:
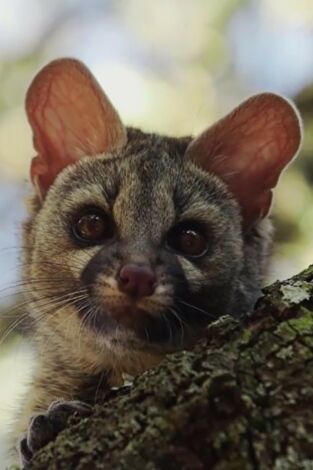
(249, 148)
(71, 117)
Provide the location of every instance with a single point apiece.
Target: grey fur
(146, 188)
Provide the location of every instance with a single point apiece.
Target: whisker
(84, 319)
(50, 303)
(181, 323)
(208, 314)
(102, 376)
(55, 309)
(147, 334)
(15, 308)
(168, 327)
(44, 283)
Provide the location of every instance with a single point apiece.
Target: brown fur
(147, 188)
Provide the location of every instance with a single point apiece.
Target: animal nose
(137, 280)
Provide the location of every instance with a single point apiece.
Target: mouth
(172, 327)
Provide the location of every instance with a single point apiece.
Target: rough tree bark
(242, 399)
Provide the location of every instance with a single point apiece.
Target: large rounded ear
(249, 148)
(71, 117)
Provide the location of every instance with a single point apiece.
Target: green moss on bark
(242, 399)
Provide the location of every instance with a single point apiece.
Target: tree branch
(242, 399)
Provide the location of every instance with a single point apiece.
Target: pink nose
(136, 280)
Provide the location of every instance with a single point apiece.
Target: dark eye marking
(91, 226)
(189, 239)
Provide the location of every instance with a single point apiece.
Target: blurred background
(171, 66)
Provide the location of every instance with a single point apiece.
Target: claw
(44, 427)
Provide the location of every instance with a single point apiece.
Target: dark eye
(189, 240)
(92, 226)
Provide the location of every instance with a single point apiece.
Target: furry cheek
(78, 259)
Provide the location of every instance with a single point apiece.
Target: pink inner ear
(249, 148)
(71, 117)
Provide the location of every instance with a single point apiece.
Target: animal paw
(44, 428)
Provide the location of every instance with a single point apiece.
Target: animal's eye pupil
(92, 227)
(188, 240)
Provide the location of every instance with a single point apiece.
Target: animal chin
(150, 330)
(130, 322)
(127, 316)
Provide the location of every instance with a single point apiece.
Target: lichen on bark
(241, 399)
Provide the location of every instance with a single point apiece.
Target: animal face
(150, 244)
